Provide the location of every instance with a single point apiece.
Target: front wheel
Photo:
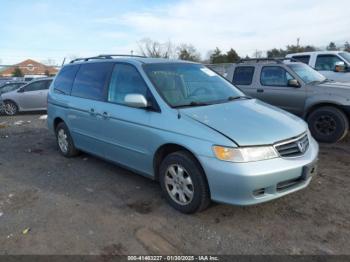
(183, 183)
(328, 124)
(10, 108)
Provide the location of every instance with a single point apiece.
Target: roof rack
(257, 60)
(105, 56)
(277, 60)
(109, 56)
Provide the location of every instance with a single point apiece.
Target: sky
(54, 29)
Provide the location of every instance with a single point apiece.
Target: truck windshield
(346, 56)
(306, 73)
(182, 84)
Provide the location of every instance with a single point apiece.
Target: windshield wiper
(232, 98)
(193, 103)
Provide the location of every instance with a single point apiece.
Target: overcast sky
(42, 29)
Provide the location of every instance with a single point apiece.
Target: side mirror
(136, 100)
(293, 83)
(340, 67)
(21, 90)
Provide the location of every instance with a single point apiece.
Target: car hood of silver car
(248, 122)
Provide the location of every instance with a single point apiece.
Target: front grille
(294, 147)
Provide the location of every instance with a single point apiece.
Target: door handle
(260, 90)
(105, 115)
(92, 112)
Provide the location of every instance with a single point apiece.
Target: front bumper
(256, 182)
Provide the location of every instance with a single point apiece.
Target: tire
(10, 108)
(192, 181)
(64, 141)
(328, 124)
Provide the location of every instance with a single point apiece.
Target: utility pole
(298, 41)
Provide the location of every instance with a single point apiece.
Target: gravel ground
(88, 206)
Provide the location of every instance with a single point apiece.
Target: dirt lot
(87, 206)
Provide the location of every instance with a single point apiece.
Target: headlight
(244, 154)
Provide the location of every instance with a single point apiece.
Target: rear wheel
(183, 183)
(64, 141)
(328, 124)
(10, 108)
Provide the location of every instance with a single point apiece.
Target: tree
(47, 72)
(332, 47)
(17, 72)
(232, 56)
(188, 52)
(347, 46)
(276, 53)
(217, 57)
(151, 48)
(49, 62)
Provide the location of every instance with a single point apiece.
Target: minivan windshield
(184, 84)
(346, 56)
(306, 73)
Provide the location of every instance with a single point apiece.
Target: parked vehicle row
(299, 89)
(183, 125)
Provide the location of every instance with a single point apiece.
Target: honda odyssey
(183, 125)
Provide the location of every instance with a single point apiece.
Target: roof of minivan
(143, 60)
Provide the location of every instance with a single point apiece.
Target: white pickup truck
(334, 65)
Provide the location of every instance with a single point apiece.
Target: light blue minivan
(181, 124)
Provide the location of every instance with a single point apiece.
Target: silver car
(30, 97)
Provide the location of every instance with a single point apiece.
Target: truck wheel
(328, 124)
(183, 183)
(64, 141)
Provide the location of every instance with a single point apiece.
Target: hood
(248, 122)
(338, 89)
(331, 84)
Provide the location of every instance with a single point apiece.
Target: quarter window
(64, 80)
(274, 76)
(243, 75)
(303, 58)
(326, 62)
(125, 80)
(91, 80)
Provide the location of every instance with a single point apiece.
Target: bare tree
(49, 62)
(188, 52)
(151, 48)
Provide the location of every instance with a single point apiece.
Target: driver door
(273, 89)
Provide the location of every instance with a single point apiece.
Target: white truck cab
(334, 65)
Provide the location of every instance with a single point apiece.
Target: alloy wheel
(62, 139)
(179, 184)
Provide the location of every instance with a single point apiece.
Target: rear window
(91, 80)
(302, 58)
(64, 80)
(243, 75)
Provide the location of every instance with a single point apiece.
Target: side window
(91, 80)
(36, 86)
(274, 76)
(326, 62)
(243, 75)
(9, 87)
(303, 58)
(125, 80)
(64, 80)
